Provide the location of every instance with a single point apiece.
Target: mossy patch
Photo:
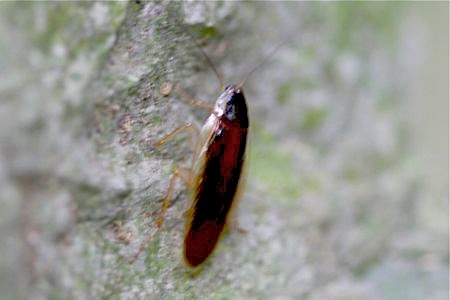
(313, 118)
(273, 168)
(284, 93)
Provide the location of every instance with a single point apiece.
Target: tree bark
(88, 88)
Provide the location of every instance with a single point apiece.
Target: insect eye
(230, 111)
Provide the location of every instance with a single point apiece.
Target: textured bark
(337, 202)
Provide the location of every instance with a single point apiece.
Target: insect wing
(218, 169)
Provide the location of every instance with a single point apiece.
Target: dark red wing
(215, 193)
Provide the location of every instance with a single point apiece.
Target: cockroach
(215, 176)
(217, 170)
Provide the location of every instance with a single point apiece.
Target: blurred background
(347, 181)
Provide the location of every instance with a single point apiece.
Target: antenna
(261, 62)
(208, 61)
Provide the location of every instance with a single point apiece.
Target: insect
(215, 176)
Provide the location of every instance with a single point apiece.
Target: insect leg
(192, 101)
(189, 127)
(183, 173)
(186, 175)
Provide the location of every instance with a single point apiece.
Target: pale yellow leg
(192, 101)
(191, 128)
(186, 175)
(183, 173)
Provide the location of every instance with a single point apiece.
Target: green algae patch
(272, 167)
(313, 119)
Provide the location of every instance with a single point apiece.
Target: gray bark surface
(346, 182)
